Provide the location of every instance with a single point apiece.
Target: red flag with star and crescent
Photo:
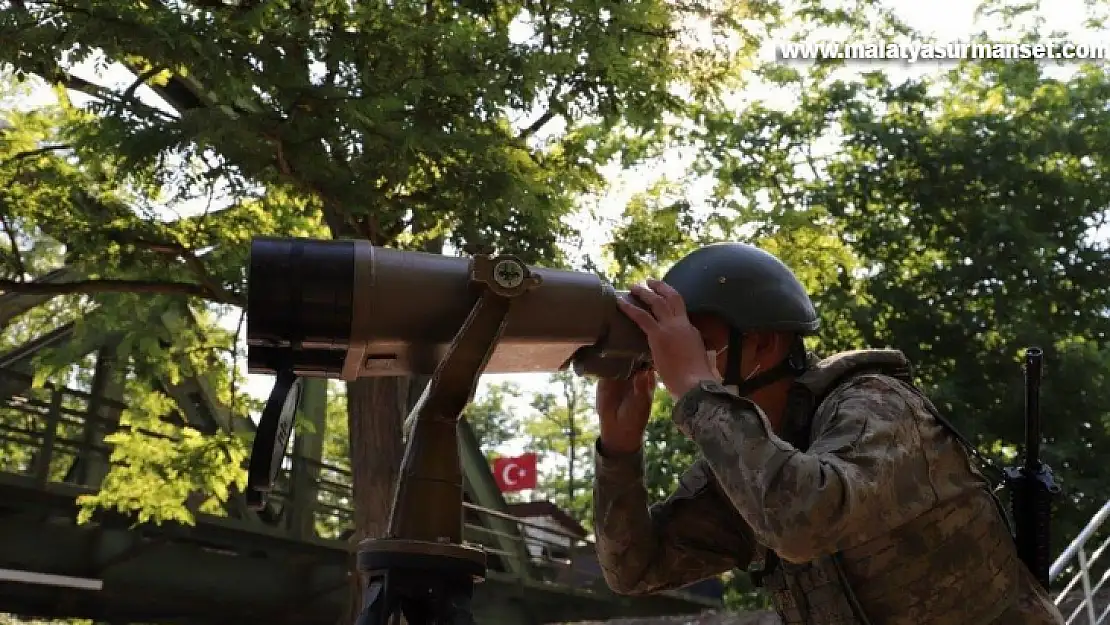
(515, 473)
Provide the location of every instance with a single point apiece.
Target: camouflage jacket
(876, 478)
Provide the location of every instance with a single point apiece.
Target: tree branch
(554, 107)
(104, 94)
(171, 248)
(108, 285)
(235, 353)
(540, 122)
(17, 256)
(129, 93)
(18, 156)
(237, 7)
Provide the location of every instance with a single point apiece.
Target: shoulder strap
(960, 438)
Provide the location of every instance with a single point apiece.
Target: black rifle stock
(1032, 486)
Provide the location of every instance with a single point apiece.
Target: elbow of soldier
(799, 536)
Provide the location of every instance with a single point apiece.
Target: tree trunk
(376, 410)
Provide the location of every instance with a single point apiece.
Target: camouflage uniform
(882, 519)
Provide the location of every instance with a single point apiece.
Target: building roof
(547, 509)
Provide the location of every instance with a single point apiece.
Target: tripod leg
(459, 610)
(418, 613)
(377, 604)
(426, 601)
(455, 598)
(428, 583)
(438, 611)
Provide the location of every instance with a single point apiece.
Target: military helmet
(746, 286)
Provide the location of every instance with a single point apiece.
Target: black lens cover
(275, 427)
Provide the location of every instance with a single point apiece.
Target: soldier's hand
(677, 348)
(623, 408)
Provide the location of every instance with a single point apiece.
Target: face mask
(733, 388)
(713, 355)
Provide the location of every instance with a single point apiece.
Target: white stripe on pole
(45, 579)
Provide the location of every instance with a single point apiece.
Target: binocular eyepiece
(346, 309)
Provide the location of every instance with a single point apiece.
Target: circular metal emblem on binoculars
(509, 273)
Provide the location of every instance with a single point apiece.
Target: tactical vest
(914, 575)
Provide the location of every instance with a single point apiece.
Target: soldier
(837, 477)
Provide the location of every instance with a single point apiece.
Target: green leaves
(952, 217)
(562, 428)
(667, 452)
(153, 476)
(659, 228)
(375, 113)
(162, 472)
(493, 416)
(417, 124)
(956, 227)
(949, 217)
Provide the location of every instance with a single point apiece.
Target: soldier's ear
(764, 346)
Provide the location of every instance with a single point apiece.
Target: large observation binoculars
(346, 309)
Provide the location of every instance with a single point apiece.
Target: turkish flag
(513, 474)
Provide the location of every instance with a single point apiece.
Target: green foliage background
(950, 216)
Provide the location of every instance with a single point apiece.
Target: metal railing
(45, 432)
(1084, 574)
(557, 556)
